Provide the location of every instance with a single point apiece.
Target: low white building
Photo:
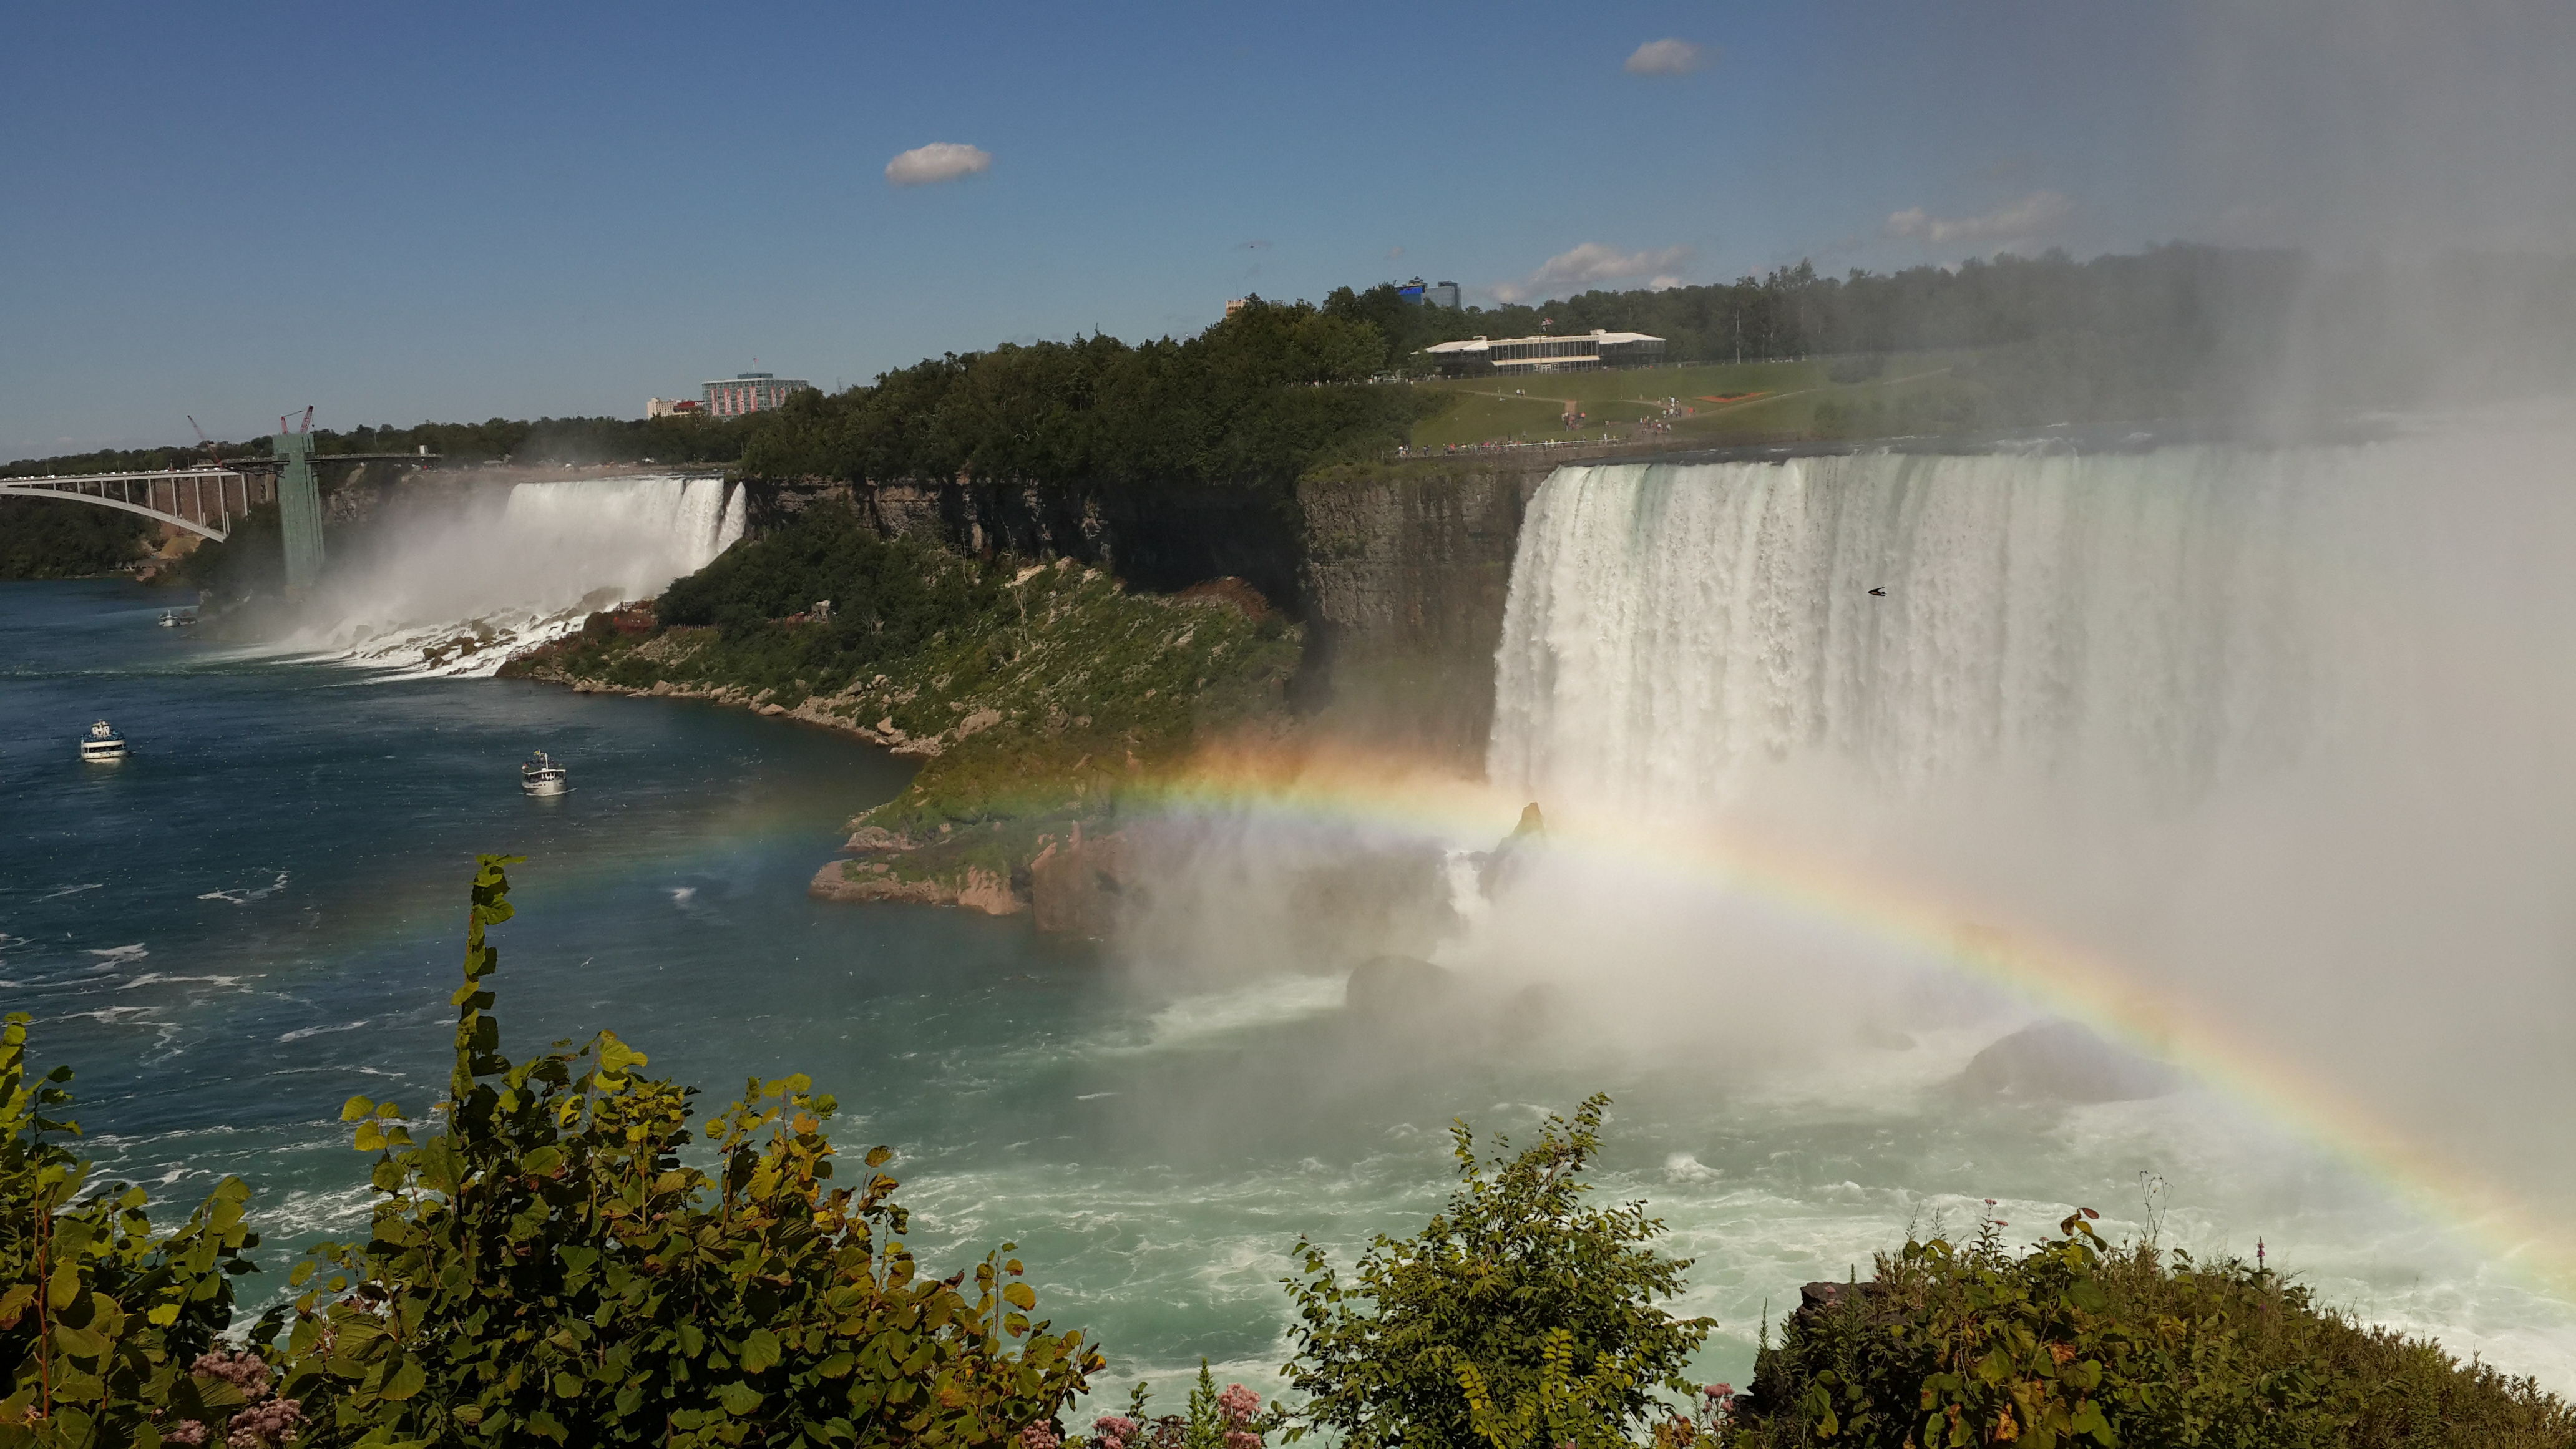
(1577, 352)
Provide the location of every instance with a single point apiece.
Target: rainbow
(1392, 795)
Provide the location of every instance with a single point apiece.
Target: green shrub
(2081, 1343)
(1518, 1318)
(546, 1268)
(101, 1321)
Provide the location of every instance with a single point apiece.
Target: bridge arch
(213, 523)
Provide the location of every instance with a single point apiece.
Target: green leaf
(408, 1378)
(356, 1109)
(1020, 1295)
(738, 1398)
(760, 1351)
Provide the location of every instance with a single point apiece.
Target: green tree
(546, 1268)
(1519, 1318)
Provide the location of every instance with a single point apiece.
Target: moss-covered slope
(1033, 694)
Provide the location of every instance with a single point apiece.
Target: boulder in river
(2060, 1061)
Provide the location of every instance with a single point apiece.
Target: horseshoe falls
(2274, 740)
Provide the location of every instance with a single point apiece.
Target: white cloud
(1666, 57)
(2035, 215)
(938, 161)
(1393, 252)
(1592, 264)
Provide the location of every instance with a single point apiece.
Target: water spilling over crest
(2282, 732)
(457, 592)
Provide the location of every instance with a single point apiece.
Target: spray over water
(457, 588)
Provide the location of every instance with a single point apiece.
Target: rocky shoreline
(1032, 714)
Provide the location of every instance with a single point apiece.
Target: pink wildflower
(1241, 1439)
(247, 1372)
(1115, 1427)
(1040, 1436)
(1238, 1404)
(1721, 1391)
(186, 1431)
(266, 1426)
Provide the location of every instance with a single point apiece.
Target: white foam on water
(155, 978)
(245, 897)
(1275, 1001)
(302, 1032)
(71, 890)
(115, 956)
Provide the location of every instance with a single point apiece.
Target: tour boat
(173, 619)
(104, 743)
(542, 776)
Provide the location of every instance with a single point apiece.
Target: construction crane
(212, 457)
(308, 423)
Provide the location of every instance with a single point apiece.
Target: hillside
(1035, 695)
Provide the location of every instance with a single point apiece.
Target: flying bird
(1878, 593)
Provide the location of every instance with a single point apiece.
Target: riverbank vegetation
(561, 1250)
(44, 539)
(1035, 695)
(1254, 400)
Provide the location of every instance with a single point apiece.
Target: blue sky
(400, 213)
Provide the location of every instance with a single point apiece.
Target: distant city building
(673, 407)
(1237, 304)
(750, 392)
(1579, 353)
(1410, 291)
(1442, 294)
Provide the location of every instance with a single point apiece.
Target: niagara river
(259, 913)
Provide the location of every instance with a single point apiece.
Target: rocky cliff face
(1154, 537)
(1399, 572)
(1405, 574)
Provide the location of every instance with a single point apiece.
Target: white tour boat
(542, 776)
(103, 743)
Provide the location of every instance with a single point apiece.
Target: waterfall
(449, 587)
(2290, 732)
(2137, 618)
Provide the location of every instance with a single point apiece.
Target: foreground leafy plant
(2080, 1342)
(1518, 1318)
(546, 1268)
(101, 1321)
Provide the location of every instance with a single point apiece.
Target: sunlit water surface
(259, 914)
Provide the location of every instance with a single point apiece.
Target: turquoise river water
(259, 914)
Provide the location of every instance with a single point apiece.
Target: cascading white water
(455, 590)
(2137, 620)
(2285, 732)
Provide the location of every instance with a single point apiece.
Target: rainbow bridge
(204, 501)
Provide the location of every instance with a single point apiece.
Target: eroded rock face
(975, 889)
(875, 840)
(1079, 887)
(2059, 1061)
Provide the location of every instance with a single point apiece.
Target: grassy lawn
(1726, 402)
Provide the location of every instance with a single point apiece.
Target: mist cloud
(2035, 215)
(1666, 57)
(1593, 263)
(938, 161)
